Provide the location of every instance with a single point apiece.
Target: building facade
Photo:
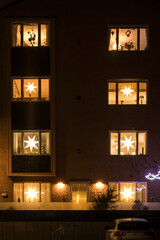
(79, 101)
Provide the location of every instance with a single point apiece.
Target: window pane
(16, 35)
(45, 192)
(45, 89)
(30, 35)
(113, 37)
(111, 93)
(142, 93)
(45, 143)
(127, 93)
(114, 186)
(30, 88)
(18, 192)
(16, 88)
(141, 143)
(44, 35)
(17, 143)
(143, 38)
(127, 143)
(114, 144)
(141, 192)
(31, 192)
(127, 39)
(79, 193)
(127, 192)
(31, 143)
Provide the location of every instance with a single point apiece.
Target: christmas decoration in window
(127, 143)
(30, 34)
(127, 92)
(128, 39)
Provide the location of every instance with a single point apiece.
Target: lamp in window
(127, 91)
(127, 194)
(30, 88)
(31, 143)
(128, 143)
(32, 193)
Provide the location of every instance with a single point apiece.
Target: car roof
(130, 219)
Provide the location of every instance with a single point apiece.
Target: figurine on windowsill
(127, 45)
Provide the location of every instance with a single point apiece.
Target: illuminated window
(79, 192)
(30, 34)
(128, 143)
(30, 89)
(123, 92)
(130, 191)
(32, 192)
(128, 39)
(31, 142)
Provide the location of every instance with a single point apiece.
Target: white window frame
(117, 81)
(22, 143)
(127, 131)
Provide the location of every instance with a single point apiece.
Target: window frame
(22, 99)
(136, 183)
(22, 143)
(127, 131)
(117, 81)
(22, 30)
(79, 182)
(138, 27)
(39, 190)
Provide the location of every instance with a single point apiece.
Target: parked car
(129, 229)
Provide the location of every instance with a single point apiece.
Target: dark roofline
(10, 5)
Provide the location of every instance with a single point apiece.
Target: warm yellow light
(128, 143)
(77, 198)
(31, 143)
(127, 193)
(30, 87)
(32, 193)
(114, 46)
(60, 185)
(127, 91)
(99, 184)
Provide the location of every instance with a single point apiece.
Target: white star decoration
(31, 193)
(31, 143)
(30, 87)
(127, 193)
(127, 91)
(128, 143)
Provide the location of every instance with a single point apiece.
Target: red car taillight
(117, 233)
(149, 233)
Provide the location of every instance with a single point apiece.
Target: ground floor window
(130, 191)
(79, 192)
(32, 192)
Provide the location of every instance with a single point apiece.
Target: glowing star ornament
(31, 143)
(128, 143)
(127, 193)
(32, 193)
(30, 87)
(127, 91)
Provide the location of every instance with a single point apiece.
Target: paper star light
(127, 91)
(31, 143)
(127, 193)
(32, 193)
(128, 143)
(30, 87)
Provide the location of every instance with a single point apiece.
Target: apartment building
(79, 102)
